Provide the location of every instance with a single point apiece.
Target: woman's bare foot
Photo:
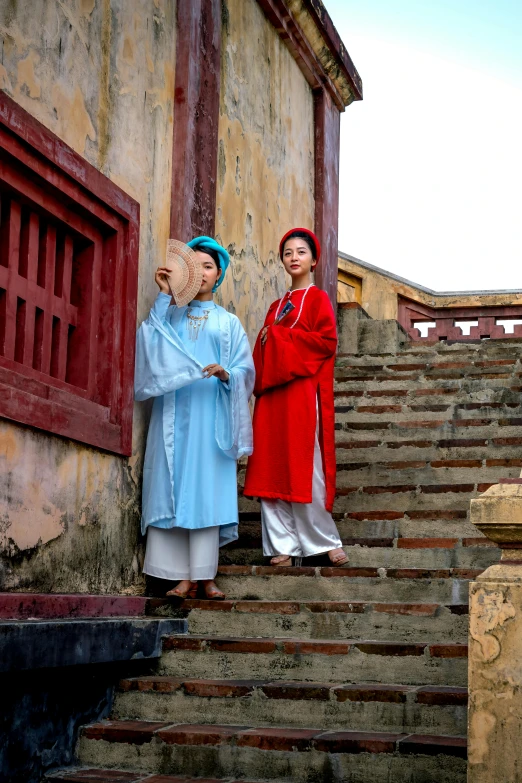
(184, 589)
(212, 591)
(281, 560)
(338, 557)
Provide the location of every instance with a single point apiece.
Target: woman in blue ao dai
(197, 363)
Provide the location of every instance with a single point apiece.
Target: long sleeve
(233, 421)
(162, 364)
(296, 353)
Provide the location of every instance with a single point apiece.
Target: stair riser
(408, 396)
(305, 588)
(307, 625)
(404, 501)
(433, 452)
(389, 557)
(384, 528)
(353, 667)
(377, 475)
(285, 766)
(397, 415)
(392, 433)
(257, 710)
(471, 385)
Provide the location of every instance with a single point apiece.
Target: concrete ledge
(35, 644)
(54, 606)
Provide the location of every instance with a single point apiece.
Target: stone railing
(458, 323)
(427, 315)
(495, 642)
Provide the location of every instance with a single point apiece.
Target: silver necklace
(195, 323)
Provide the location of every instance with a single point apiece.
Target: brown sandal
(190, 593)
(283, 563)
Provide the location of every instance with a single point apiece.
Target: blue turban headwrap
(207, 243)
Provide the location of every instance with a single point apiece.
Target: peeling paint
(481, 725)
(26, 75)
(73, 118)
(490, 611)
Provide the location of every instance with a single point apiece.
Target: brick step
(474, 378)
(381, 528)
(324, 619)
(500, 451)
(437, 428)
(56, 606)
(430, 553)
(397, 585)
(385, 524)
(278, 754)
(98, 775)
(411, 663)
(434, 375)
(361, 707)
(403, 415)
(407, 498)
(442, 396)
(421, 471)
(400, 365)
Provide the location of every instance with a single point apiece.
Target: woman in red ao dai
(292, 469)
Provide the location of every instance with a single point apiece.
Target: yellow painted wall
(377, 293)
(266, 159)
(99, 74)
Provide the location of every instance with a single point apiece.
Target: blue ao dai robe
(199, 426)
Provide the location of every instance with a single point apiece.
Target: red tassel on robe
(294, 368)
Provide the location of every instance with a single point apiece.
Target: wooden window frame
(85, 394)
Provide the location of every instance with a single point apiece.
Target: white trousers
(179, 553)
(300, 529)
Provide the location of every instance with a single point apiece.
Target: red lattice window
(68, 286)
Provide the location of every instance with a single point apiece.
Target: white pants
(300, 529)
(178, 553)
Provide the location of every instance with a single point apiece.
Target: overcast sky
(431, 162)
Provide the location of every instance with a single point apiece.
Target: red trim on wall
(333, 39)
(196, 119)
(290, 33)
(69, 243)
(327, 143)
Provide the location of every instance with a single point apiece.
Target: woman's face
(211, 272)
(297, 257)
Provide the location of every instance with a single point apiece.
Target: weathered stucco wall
(99, 74)
(266, 158)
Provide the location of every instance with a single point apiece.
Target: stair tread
(262, 606)
(296, 690)
(98, 775)
(347, 572)
(290, 646)
(273, 738)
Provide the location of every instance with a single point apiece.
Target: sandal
(339, 559)
(191, 592)
(286, 561)
(213, 593)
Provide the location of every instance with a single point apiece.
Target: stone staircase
(357, 674)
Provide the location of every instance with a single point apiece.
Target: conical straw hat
(186, 273)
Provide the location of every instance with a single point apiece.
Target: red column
(327, 141)
(196, 118)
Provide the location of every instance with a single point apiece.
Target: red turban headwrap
(308, 233)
